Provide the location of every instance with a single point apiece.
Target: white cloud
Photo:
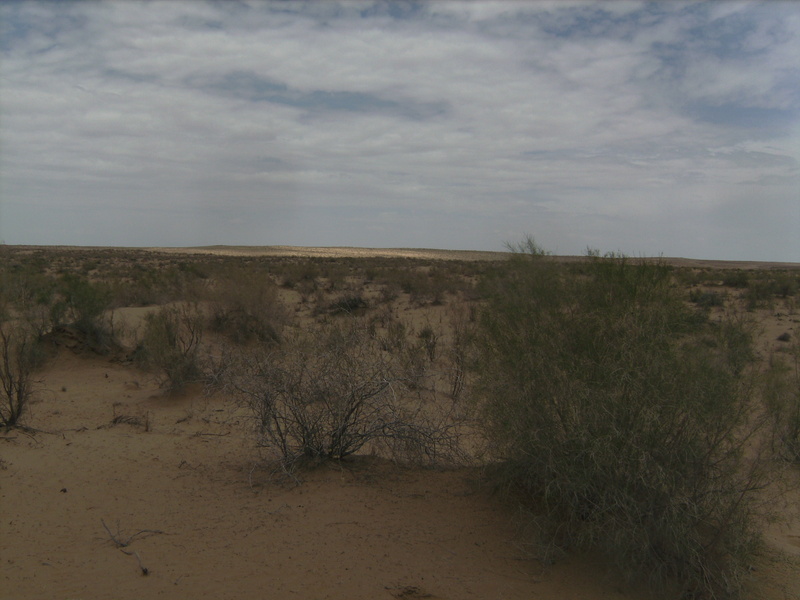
(479, 120)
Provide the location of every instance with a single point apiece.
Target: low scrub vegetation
(20, 355)
(245, 307)
(327, 394)
(623, 419)
(170, 345)
(621, 402)
(783, 401)
(80, 306)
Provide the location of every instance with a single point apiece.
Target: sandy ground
(180, 482)
(176, 482)
(182, 487)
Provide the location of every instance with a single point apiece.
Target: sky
(647, 128)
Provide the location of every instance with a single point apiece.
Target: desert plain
(118, 485)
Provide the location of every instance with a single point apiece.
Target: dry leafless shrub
(19, 357)
(461, 352)
(330, 393)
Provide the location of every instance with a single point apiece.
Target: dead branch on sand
(120, 542)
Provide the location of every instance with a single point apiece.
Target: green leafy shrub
(82, 306)
(621, 418)
(782, 391)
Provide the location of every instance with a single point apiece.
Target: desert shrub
(706, 299)
(82, 306)
(347, 304)
(395, 338)
(736, 279)
(24, 288)
(413, 363)
(782, 393)
(170, 345)
(784, 284)
(422, 283)
(26, 293)
(621, 418)
(245, 307)
(143, 282)
(19, 357)
(460, 352)
(301, 275)
(335, 275)
(429, 341)
(84, 301)
(759, 294)
(388, 293)
(327, 393)
(138, 286)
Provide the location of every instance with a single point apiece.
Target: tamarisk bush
(621, 416)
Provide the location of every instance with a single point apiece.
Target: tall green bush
(622, 417)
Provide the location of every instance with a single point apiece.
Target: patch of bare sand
(177, 475)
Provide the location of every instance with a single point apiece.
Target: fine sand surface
(206, 522)
(179, 482)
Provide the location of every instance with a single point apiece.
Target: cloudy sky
(643, 127)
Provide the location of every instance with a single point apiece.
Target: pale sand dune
(415, 253)
(433, 254)
(338, 252)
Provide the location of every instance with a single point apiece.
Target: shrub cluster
(622, 417)
(19, 357)
(170, 345)
(245, 307)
